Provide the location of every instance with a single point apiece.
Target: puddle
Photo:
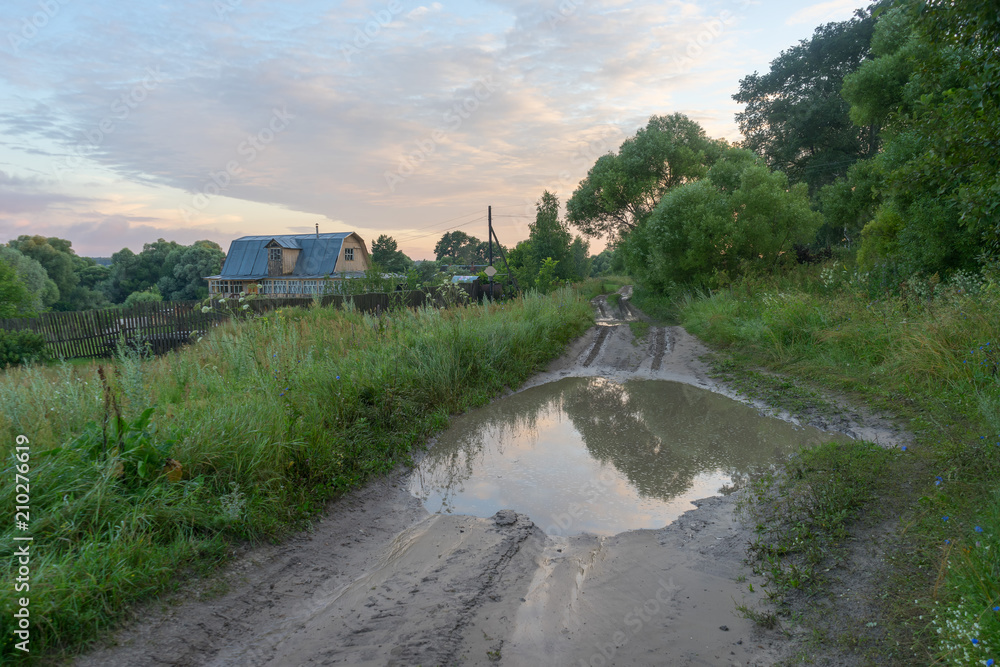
(588, 455)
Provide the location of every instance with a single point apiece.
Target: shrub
(20, 347)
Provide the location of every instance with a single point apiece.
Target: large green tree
(933, 84)
(742, 218)
(457, 247)
(73, 275)
(795, 116)
(621, 190)
(15, 298)
(42, 289)
(386, 254)
(177, 271)
(550, 253)
(185, 269)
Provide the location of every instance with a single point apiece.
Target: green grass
(927, 354)
(267, 419)
(801, 515)
(592, 287)
(662, 308)
(640, 329)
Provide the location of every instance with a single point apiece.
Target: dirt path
(379, 581)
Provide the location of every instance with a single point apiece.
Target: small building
(291, 265)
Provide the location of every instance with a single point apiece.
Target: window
(225, 287)
(349, 254)
(274, 254)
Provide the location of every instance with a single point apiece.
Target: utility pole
(490, 271)
(489, 222)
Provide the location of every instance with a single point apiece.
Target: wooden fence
(167, 325)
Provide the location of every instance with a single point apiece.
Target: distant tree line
(39, 273)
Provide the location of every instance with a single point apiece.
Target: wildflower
(996, 608)
(989, 663)
(281, 394)
(904, 448)
(979, 529)
(338, 377)
(975, 641)
(947, 541)
(205, 309)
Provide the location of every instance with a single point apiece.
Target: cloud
(181, 99)
(824, 12)
(20, 195)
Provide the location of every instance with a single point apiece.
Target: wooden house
(291, 265)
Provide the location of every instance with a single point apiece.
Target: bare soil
(380, 581)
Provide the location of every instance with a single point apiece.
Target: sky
(122, 123)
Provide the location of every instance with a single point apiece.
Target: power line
(443, 222)
(463, 224)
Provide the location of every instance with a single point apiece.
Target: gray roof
(247, 258)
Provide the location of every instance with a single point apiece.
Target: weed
(147, 467)
(640, 329)
(921, 348)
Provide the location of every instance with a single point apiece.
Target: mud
(380, 581)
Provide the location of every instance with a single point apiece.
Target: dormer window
(274, 254)
(349, 254)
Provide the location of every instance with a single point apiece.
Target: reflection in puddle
(590, 455)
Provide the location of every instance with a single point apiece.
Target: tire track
(659, 347)
(601, 336)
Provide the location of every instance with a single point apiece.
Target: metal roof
(247, 258)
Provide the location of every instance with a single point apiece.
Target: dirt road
(380, 581)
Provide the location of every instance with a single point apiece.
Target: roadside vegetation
(849, 243)
(927, 355)
(144, 470)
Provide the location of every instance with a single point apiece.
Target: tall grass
(263, 420)
(926, 350)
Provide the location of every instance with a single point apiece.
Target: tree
(743, 218)
(459, 248)
(933, 84)
(621, 190)
(549, 237)
(425, 273)
(579, 258)
(386, 254)
(601, 264)
(152, 295)
(43, 291)
(795, 116)
(65, 269)
(188, 266)
(849, 203)
(15, 298)
(52, 254)
(177, 271)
